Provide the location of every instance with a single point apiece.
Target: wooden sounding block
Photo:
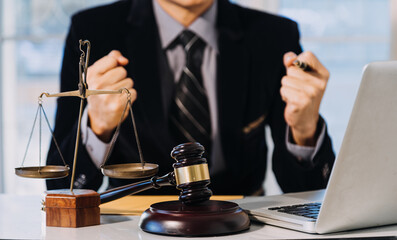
(79, 208)
(208, 218)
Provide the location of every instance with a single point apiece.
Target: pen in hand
(302, 65)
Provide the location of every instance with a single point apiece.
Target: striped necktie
(189, 112)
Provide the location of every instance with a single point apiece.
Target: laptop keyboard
(309, 210)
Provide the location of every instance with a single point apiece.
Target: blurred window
(32, 41)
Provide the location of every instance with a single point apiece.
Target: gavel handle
(154, 182)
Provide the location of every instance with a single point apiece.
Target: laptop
(362, 190)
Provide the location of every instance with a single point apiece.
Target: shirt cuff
(304, 153)
(95, 147)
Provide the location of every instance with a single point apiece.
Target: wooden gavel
(190, 175)
(194, 213)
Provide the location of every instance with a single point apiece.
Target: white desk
(21, 218)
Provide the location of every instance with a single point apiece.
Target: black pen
(302, 65)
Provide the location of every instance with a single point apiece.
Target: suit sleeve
(294, 175)
(87, 175)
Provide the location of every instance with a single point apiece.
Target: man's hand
(104, 111)
(302, 91)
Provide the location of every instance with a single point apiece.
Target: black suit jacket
(249, 71)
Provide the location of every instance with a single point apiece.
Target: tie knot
(188, 38)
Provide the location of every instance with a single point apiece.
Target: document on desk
(136, 205)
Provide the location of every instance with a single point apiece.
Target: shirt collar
(203, 26)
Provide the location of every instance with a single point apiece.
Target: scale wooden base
(79, 208)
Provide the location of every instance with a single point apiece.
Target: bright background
(344, 34)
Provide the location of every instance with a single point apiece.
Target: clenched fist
(104, 111)
(302, 92)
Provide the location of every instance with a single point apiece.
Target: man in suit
(247, 78)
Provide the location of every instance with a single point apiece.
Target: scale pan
(130, 170)
(47, 172)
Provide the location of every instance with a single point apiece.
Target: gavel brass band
(192, 173)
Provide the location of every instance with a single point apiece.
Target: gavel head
(191, 173)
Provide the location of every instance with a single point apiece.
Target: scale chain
(138, 143)
(53, 137)
(41, 108)
(117, 132)
(31, 134)
(113, 140)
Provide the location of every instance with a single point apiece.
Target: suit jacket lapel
(141, 42)
(232, 74)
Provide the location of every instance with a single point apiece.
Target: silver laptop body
(362, 190)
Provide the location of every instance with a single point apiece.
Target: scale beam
(77, 93)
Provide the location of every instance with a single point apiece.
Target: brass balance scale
(195, 214)
(125, 171)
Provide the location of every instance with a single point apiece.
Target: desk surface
(21, 218)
